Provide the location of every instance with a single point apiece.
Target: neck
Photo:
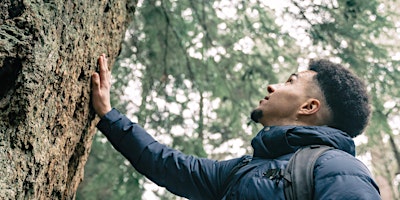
(288, 123)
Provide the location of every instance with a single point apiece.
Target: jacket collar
(274, 141)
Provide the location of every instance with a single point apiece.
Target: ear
(310, 107)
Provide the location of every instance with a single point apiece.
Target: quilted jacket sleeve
(184, 175)
(339, 175)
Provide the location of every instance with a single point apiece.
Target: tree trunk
(48, 51)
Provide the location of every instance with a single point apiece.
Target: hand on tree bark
(101, 84)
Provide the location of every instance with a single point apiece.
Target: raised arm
(182, 174)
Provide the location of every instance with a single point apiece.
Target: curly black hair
(345, 94)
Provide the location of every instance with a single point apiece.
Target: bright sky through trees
(195, 69)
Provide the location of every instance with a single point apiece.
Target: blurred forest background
(191, 71)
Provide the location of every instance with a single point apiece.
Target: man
(325, 104)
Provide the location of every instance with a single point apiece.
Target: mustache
(256, 115)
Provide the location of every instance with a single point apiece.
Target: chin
(256, 115)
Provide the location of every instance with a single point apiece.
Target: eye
(290, 80)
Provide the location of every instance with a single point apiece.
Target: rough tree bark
(48, 51)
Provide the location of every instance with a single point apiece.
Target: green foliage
(200, 71)
(108, 175)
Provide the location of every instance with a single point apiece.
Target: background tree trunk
(48, 51)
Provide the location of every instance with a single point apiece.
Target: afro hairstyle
(345, 94)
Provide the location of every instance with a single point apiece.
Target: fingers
(104, 71)
(102, 60)
(101, 87)
(95, 82)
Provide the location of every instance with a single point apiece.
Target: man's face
(283, 101)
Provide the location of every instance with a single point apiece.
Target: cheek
(285, 106)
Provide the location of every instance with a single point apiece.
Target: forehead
(307, 81)
(307, 73)
(304, 75)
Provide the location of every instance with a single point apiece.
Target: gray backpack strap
(299, 173)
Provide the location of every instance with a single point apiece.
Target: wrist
(104, 112)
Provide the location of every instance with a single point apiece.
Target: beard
(256, 115)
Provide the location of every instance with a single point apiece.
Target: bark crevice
(9, 72)
(48, 51)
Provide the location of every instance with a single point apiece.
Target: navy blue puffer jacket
(338, 174)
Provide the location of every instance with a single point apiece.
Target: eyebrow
(294, 74)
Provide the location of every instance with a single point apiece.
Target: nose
(271, 88)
